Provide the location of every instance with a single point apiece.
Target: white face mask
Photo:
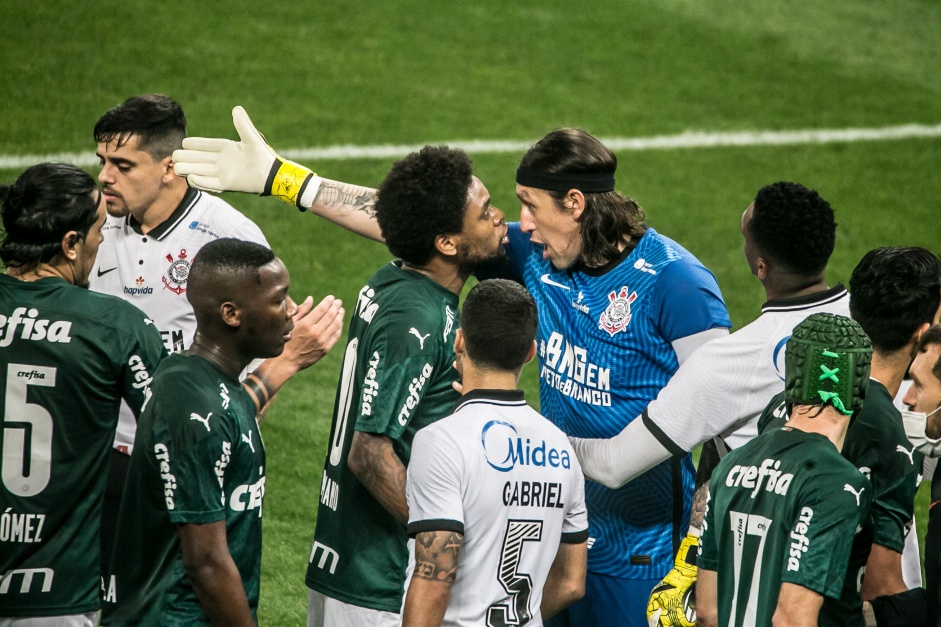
(915, 423)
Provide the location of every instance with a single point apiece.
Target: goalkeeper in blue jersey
(620, 307)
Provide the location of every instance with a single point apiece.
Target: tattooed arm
(350, 206)
(378, 468)
(436, 559)
(700, 496)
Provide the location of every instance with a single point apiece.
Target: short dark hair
(498, 321)
(608, 216)
(223, 259)
(893, 291)
(156, 119)
(44, 203)
(932, 337)
(793, 226)
(423, 196)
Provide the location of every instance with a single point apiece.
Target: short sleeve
(708, 549)
(894, 486)
(687, 300)
(433, 484)
(821, 534)
(575, 523)
(143, 354)
(193, 443)
(402, 356)
(248, 231)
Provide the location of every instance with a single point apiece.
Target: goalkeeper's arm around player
(251, 166)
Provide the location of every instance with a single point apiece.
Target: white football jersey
(507, 479)
(726, 383)
(150, 271)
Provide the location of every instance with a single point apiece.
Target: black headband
(585, 182)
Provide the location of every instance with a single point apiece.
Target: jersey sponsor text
(169, 479)
(370, 385)
(26, 577)
(567, 369)
(326, 555)
(414, 391)
(752, 477)
(799, 541)
(33, 327)
(505, 449)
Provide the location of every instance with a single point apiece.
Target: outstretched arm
(615, 461)
(251, 166)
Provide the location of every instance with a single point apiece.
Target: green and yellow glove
(248, 165)
(673, 601)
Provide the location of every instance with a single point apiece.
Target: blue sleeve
(687, 301)
(517, 249)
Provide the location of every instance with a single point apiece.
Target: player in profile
(721, 390)
(155, 227)
(189, 531)
(68, 357)
(605, 285)
(895, 295)
(783, 508)
(495, 495)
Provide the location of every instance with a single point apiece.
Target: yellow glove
(249, 165)
(673, 601)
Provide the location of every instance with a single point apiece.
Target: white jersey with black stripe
(507, 479)
(150, 270)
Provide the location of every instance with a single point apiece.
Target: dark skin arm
(213, 574)
(436, 561)
(377, 467)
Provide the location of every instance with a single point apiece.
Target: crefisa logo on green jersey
(755, 477)
(30, 326)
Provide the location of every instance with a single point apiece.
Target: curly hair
(156, 119)
(423, 196)
(608, 217)
(793, 226)
(44, 203)
(893, 291)
(498, 321)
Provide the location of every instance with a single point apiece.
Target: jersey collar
(161, 230)
(808, 301)
(515, 397)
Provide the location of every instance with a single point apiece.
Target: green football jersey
(876, 444)
(198, 458)
(67, 358)
(782, 509)
(396, 378)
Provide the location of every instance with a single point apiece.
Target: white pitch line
(688, 139)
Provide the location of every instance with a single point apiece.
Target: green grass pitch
(408, 71)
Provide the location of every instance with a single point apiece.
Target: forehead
(122, 146)
(923, 365)
(747, 215)
(477, 193)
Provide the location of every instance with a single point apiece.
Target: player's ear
(761, 269)
(231, 314)
(70, 243)
(167, 175)
(447, 244)
(531, 354)
(459, 347)
(574, 202)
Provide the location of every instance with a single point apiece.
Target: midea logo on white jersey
(505, 449)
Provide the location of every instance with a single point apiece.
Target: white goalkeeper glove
(673, 601)
(248, 165)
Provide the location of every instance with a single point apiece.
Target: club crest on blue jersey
(617, 315)
(177, 273)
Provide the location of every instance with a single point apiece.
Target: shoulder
(226, 219)
(114, 312)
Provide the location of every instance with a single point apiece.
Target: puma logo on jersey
(849, 488)
(224, 395)
(901, 449)
(199, 418)
(421, 338)
(148, 321)
(248, 440)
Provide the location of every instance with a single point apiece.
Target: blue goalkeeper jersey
(604, 345)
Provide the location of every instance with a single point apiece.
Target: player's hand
(673, 601)
(248, 165)
(316, 330)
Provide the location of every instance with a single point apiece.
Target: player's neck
(443, 272)
(476, 379)
(825, 421)
(889, 368)
(781, 284)
(222, 357)
(164, 205)
(42, 271)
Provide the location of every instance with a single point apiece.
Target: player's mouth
(110, 195)
(506, 235)
(287, 332)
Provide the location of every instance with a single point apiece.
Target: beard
(473, 260)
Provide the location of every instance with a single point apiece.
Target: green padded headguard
(827, 361)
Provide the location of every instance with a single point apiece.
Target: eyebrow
(116, 160)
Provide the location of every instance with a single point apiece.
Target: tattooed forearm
(374, 462)
(436, 555)
(699, 506)
(347, 198)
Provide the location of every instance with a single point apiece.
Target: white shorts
(71, 620)
(324, 611)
